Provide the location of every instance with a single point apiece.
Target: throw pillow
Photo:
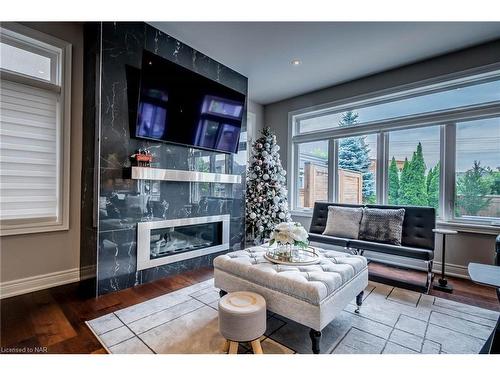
(382, 225)
(343, 221)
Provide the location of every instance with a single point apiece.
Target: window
(357, 169)
(437, 145)
(21, 61)
(413, 167)
(409, 103)
(312, 182)
(477, 176)
(34, 129)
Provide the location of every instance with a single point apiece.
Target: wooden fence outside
(316, 185)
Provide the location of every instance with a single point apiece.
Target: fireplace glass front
(165, 242)
(169, 241)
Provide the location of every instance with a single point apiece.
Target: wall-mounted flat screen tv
(180, 106)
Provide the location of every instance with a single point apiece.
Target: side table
(442, 283)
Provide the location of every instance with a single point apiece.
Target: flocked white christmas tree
(266, 196)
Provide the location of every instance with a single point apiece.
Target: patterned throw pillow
(343, 222)
(382, 225)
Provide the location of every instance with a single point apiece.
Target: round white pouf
(242, 318)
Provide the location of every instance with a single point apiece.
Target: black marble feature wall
(120, 202)
(90, 166)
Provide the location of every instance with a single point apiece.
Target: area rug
(392, 320)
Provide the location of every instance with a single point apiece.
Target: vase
(285, 251)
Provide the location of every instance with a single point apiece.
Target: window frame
(451, 198)
(331, 190)
(446, 119)
(60, 53)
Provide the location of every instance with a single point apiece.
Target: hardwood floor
(464, 290)
(53, 320)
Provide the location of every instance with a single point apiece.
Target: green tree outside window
(393, 193)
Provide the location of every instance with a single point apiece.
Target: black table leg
(359, 301)
(316, 340)
(443, 282)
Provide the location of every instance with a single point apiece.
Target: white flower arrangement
(290, 234)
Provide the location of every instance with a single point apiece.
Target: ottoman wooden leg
(257, 349)
(233, 347)
(316, 340)
(359, 301)
(225, 349)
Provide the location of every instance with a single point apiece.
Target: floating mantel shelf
(146, 173)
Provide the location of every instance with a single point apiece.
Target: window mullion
(294, 178)
(25, 80)
(332, 170)
(382, 163)
(447, 171)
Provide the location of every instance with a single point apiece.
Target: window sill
(300, 213)
(20, 230)
(469, 227)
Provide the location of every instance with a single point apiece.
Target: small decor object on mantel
(266, 194)
(143, 158)
(292, 245)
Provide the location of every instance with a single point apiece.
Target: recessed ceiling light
(295, 62)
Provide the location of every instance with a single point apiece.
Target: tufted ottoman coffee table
(310, 295)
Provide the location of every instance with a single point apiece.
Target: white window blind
(28, 152)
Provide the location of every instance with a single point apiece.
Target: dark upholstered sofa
(417, 240)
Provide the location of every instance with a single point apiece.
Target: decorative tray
(296, 257)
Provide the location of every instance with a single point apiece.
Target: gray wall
(38, 254)
(461, 249)
(256, 111)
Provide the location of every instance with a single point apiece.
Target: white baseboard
(39, 282)
(456, 270)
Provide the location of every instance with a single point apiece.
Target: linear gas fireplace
(169, 241)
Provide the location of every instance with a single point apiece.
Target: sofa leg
(222, 293)
(429, 277)
(316, 340)
(359, 301)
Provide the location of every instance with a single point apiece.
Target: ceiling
(330, 52)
